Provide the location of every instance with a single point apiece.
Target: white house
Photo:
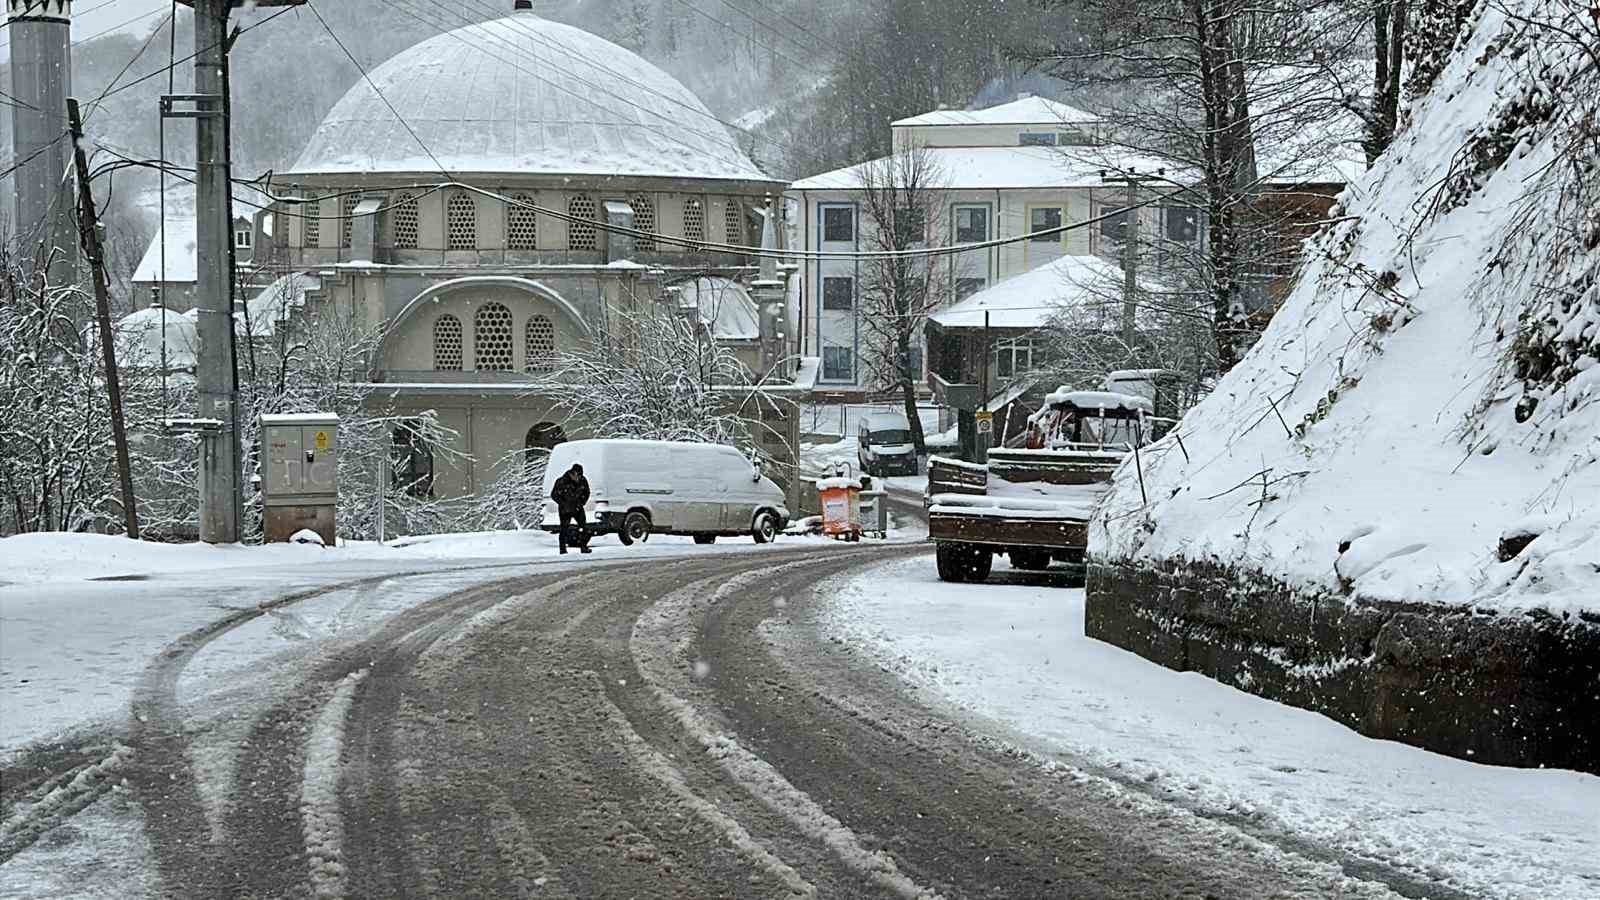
(1007, 171)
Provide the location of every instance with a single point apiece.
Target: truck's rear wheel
(964, 563)
(1030, 560)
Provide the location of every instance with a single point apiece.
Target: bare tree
(901, 196)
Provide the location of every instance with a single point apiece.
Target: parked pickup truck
(1033, 504)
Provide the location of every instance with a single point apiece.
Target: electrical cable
(94, 105)
(166, 71)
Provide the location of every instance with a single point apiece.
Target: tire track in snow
(319, 791)
(666, 630)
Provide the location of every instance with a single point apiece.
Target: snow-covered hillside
(1428, 399)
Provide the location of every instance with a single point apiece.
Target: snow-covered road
(1016, 655)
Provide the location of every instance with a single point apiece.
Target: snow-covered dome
(523, 95)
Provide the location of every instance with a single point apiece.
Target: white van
(640, 488)
(884, 446)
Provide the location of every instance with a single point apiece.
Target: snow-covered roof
(1108, 400)
(523, 95)
(989, 168)
(726, 306)
(1029, 300)
(139, 338)
(1024, 111)
(277, 301)
(181, 265)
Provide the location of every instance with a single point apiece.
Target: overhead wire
(94, 105)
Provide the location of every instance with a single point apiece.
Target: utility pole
(1130, 246)
(89, 236)
(41, 79)
(216, 376)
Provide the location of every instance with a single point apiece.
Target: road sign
(985, 421)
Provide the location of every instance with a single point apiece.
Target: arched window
(347, 209)
(540, 344)
(644, 219)
(447, 355)
(580, 235)
(694, 220)
(491, 338)
(522, 224)
(405, 218)
(461, 223)
(312, 210)
(536, 447)
(733, 222)
(410, 461)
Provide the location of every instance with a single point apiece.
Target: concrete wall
(1520, 690)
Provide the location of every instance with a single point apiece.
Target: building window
(838, 364)
(347, 210)
(644, 219)
(581, 233)
(244, 238)
(522, 224)
(410, 461)
(1037, 139)
(966, 287)
(839, 293)
(839, 224)
(461, 223)
(540, 344)
(1183, 224)
(491, 338)
(694, 220)
(1113, 223)
(1013, 356)
(406, 220)
(972, 224)
(733, 223)
(1042, 218)
(313, 220)
(447, 352)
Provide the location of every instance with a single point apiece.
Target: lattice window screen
(694, 220)
(733, 222)
(491, 338)
(644, 219)
(447, 353)
(522, 225)
(347, 208)
(582, 236)
(541, 344)
(312, 210)
(461, 223)
(406, 218)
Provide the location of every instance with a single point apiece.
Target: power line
(750, 36)
(94, 106)
(171, 66)
(84, 12)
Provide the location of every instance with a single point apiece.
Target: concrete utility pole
(40, 32)
(221, 483)
(1130, 246)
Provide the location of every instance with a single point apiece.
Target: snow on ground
(1018, 655)
(72, 648)
(1379, 438)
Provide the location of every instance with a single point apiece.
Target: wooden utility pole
(1130, 247)
(89, 237)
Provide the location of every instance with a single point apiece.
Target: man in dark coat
(571, 492)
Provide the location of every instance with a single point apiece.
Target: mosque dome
(523, 95)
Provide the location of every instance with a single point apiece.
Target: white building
(1010, 170)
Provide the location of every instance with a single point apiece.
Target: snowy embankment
(1017, 655)
(1427, 401)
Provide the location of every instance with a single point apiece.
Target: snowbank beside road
(1433, 378)
(1018, 655)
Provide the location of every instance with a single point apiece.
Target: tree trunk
(908, 394)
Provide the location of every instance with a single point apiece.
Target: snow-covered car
(884, 446)
(640, 488)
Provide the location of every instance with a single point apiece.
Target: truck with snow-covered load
(1033, 504)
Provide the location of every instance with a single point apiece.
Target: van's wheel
(765, 528)
(635, 527)
(1030, 560)
(705, 539)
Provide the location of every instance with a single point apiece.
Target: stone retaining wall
(1506, 690)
